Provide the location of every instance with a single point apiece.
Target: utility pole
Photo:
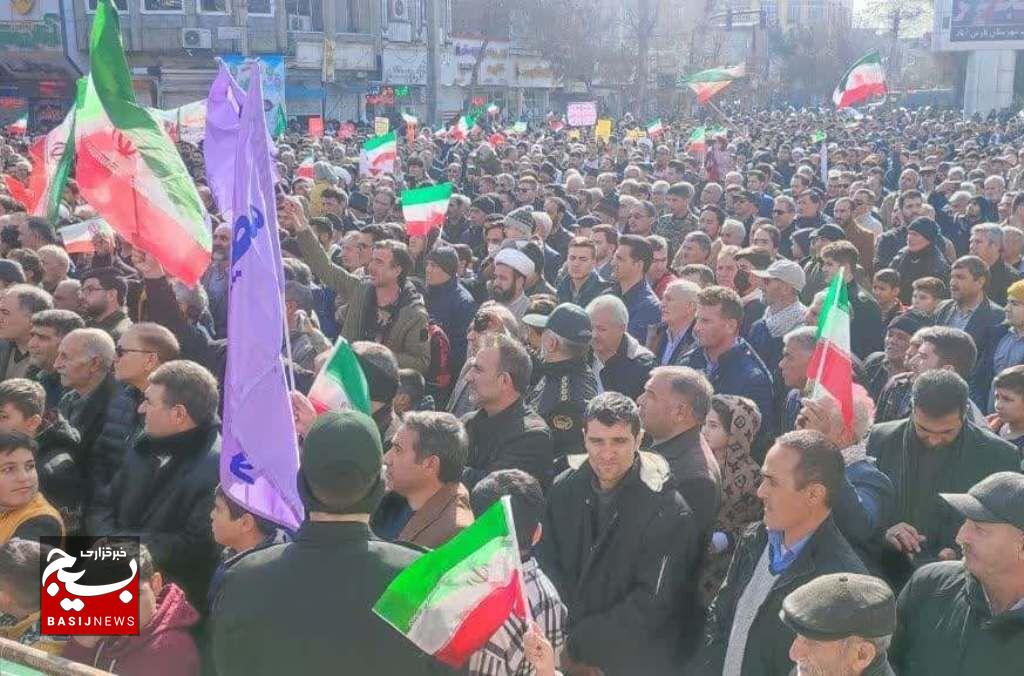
(432, 52)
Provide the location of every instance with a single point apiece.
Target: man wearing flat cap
(305, 607)
(567, 382)
(967, 616)
(103, 296)
(843, 623)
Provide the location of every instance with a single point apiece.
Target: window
(305, 15)
(793, 11)
(121, 5)
(262, 7)
(214, 6)
(816, 10)
(155, 6)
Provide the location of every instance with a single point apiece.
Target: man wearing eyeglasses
(783, 215)
(103, 294)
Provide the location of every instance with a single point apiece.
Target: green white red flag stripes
(127, 167)
(655, 128)
(424, 208)
(52, 158)
(341, 382)
(830, 370)
(864, 80)
(698, 141)
(19, 127)
(380, 153)
(450, 601)
(460, 132)
(305, 169)
(77, 237)
(709, 82)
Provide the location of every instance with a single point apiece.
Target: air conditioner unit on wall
(300, 23)
(196, 38)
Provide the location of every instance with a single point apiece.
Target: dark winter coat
(630, 586)
(515, 438)
(164, 493)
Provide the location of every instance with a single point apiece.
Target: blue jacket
(452, 307)
(739, 371)
(767, 346)
(644, 308)
(591, 289)
(862, 509)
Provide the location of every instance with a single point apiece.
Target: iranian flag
(424, 208)
(127, 167)
(493, 109)
(19, 127)
(707, 83)
(698, 141)
(864, 80)
(451, 600)
(341, 383)
(655, 128)
(460, 132)
(52, 157)
(77, 237)
(556, 124)
(305, 169)
(380, 153)
(830, 370)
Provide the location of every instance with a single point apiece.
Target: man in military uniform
(843, 622)
(568, 382)
(679, 220)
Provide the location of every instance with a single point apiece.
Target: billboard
(986, 21)
(273, 81)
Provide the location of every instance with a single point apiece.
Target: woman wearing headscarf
(730, 428)
(921, 257)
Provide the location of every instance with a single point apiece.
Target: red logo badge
(89, 586)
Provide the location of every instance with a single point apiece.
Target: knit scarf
(785, 320)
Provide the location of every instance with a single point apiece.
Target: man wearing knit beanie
(305, 606)
(449, 304)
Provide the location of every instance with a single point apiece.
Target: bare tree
(898, 19)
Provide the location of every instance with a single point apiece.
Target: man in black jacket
(621, 545)
(504, 433)
(796, 542)
(675, 402)
(164, 489)
(83, 362)
(867, 334)
(970, 310)
(305, 607)
(933, 451)
(966, 617)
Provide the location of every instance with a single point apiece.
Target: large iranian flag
(451, 600)
(864, 80)
(341, 382)
(709, 82)
(424, 208)
(127, 167)
(830, 370)
(380, 153)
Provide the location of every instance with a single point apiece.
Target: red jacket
(164, 647)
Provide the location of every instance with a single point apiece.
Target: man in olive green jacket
(383, 306)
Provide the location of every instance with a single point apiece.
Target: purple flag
(259, 456)
(223, 106)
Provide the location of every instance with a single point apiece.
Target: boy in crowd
(886, 288)
(239, 532)
(928, 292)
(163, 645)
(1008, 420)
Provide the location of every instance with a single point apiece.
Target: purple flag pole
(259, 456)
(223, 107)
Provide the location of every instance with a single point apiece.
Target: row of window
(256, 7)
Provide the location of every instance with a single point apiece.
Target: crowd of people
(615, 333)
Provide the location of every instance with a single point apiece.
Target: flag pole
(289, 364)
(506, 503)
